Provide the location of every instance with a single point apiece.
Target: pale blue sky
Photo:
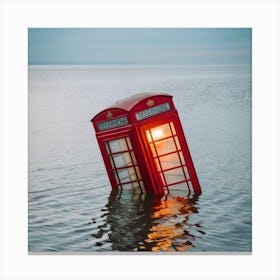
(141, 46)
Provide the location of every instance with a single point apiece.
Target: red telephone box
(143, 145)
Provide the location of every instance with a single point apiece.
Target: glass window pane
(182, 158)
(157, 164)
(122, 160)
(160, 132)
(191, 187)
(111, 161)
(127, 175)
(182, 186)
(129, 143)
(177, 143)
(123, 175)
(174, 175)
(118, 145)
(142, 185)
(107, 148)
(186, 172)
(170, 161)
(138, 172)
(149, 137)
(173, 128)
(153, 150)
(134, 161)
(136, 184)
(165, 146)
(131, 186)
(179, 190)
(162, 178)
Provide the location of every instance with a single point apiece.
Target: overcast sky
(143, 46)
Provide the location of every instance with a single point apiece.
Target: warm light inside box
(156, 135)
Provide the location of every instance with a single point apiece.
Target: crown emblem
(109, 115)
(150, 102)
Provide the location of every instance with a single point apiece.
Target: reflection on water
(67, 181)
(136, 222)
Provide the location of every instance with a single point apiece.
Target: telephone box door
(167, 154)
(121, 163)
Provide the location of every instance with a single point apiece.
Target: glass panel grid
(123, 161)
(168, 156)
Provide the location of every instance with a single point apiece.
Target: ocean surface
(71, 207)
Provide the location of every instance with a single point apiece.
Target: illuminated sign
(152, 111)
(112, 123)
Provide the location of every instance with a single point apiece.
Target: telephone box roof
(128, 103)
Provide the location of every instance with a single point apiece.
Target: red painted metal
(143, 145)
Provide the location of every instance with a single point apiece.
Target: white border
(17, 16)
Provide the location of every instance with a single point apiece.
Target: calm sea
(71, 207)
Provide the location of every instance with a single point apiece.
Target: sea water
(71, 207)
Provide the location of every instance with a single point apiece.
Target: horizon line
(132, 64)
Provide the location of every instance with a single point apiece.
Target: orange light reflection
(171, 233)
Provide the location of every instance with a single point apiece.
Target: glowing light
(156, 135)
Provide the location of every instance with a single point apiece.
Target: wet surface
(71, 205)
(164, 223)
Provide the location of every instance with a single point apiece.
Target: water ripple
(70, 204)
